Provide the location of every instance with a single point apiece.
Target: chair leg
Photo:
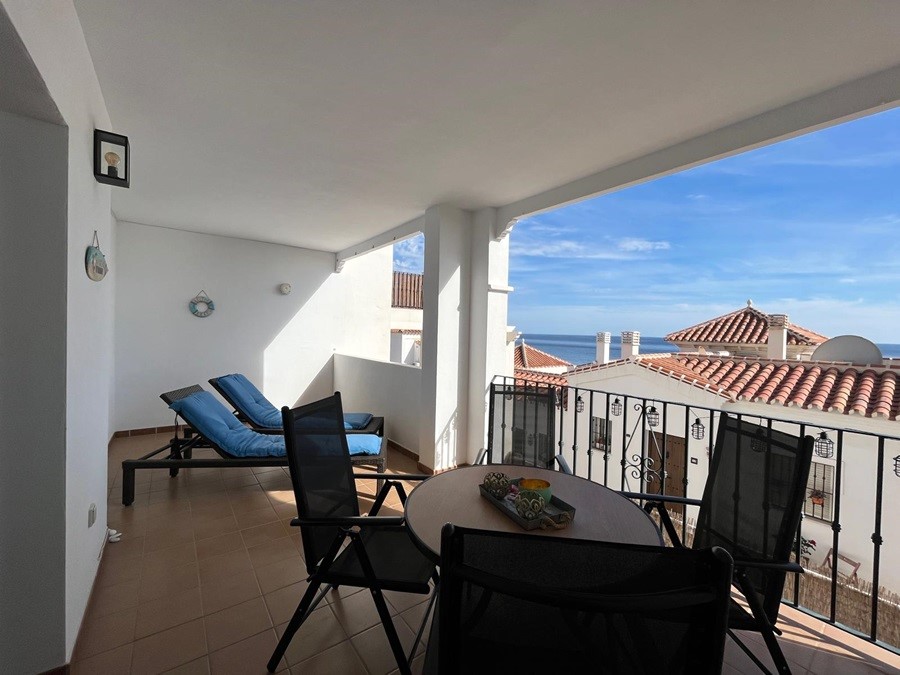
(753, 657)
(304, 609)
(390, 631)
(127, 485)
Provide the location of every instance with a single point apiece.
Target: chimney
(631, 343)
(603, 340)
(778, 324)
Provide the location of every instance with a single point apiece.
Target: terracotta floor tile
(341, 659)
(167, 558)
(255, 517)
(219, 593)
(166, 612)
(224, 543)
(280, 574)
(104, 633)
(214, 528)
(158, 583)
(261, 534)
(403, 601)
(198, 667)
(247, 657)
(273, 551)
(169, 649)
(115, 571)
(248, 501)
(319, 632)
(175, 534)
(110, 599)
(130, 545)
(375, 650)
(236, 623)
(233, 481)
(283, 602)
(107, 663)
(357, 612)
(413, 618)
(225, 565)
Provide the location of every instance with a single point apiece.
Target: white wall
(390, 390)
(406, 317)
(51, 32)
(33, 208)
(284, 343)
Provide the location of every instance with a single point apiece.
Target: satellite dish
(852, 348)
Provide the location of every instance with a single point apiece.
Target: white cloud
(632, 244)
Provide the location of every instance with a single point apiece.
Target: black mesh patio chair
(340, 547)
(177, 454)
(751, 507)
(522, 603)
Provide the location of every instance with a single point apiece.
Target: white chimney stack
(603, 340)
(778, 324)
(631, 343)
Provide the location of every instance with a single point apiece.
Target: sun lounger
(213, 426)
(253, 408)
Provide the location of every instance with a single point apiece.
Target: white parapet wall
(390, 390)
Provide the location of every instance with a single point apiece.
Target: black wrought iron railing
(635, 443)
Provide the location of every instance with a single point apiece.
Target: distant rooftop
(407, 291)
(744, 326)
(527, 357)
(533, 377)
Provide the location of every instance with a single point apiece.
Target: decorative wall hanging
(112, 159)
(201, 305)
(94, 261)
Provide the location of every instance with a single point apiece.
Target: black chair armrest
(351, 521)
(270, 432)
(665, 499)
(767, 565)
(391, 476)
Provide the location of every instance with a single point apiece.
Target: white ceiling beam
(408, 229)
(866, 95)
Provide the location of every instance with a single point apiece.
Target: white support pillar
(445, 342)
(488, 353)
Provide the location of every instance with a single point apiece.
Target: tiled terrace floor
(208, 572)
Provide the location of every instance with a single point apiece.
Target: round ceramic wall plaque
(94, 261)
(201, 305)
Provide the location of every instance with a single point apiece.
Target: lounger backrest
(212, 420)
(248, 400)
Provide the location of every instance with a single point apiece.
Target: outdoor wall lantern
(897, 466)
(652, 416)
(758, 442)
(824, 446)
(579, 405)
(616, 407)
(698, 431)
(112, 160)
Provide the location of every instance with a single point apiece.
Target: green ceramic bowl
(538, 485)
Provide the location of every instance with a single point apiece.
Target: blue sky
(808, 227)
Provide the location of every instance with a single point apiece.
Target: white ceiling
(321, 124)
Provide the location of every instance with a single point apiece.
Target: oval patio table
(453, 497)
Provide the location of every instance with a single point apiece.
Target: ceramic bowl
(497, 484)
(542, 487)
(529, 504)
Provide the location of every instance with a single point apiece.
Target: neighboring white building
(825, 396)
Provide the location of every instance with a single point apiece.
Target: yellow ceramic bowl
(542, 487)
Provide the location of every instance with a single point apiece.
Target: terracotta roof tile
(527, 357)
(746, 325)
(407, 290)
(832, 387)
(535, 377)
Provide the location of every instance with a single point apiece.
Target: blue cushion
(364, 444)
(356, 420)
(250, 401)
(203, 412)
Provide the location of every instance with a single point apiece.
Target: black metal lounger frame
(375, 425)
(180, 455)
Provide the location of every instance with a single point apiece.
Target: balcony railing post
(836, 524)
(877, 541)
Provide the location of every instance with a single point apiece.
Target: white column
(488, 353)
(445, 330)
(603, 340)
(778, 324)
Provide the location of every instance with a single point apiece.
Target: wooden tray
(557, 514)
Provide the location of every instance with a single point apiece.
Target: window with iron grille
(599, 434)
(820, 492)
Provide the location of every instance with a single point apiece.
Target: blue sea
(579, 349)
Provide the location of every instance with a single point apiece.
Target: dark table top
(453, 497)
